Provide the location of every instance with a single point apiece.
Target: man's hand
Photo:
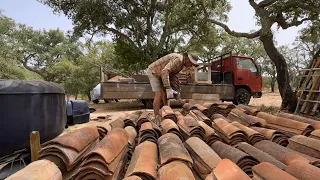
(171, 93)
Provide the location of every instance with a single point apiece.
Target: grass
(269, 109)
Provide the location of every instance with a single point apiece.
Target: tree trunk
(289, 99)
(89, 96)
(272, 85)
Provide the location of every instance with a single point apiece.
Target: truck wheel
(96, 101)
(106, 100)
(242, 96)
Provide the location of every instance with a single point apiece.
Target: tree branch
(285, 25)
(254, 4)
(234, 33)
(121, 35)
(266, 3)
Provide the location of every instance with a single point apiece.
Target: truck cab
(240, 71)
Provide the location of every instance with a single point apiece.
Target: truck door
(247, 73)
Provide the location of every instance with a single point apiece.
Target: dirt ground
(103, 109)
(267, 99)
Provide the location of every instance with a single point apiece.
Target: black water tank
(27, 106)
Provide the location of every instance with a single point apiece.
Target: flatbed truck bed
(143, 91)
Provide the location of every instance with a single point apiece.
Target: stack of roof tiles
(189, 127)
(286, 126)
(229, 133)
(105, 160)
(219, 108)
(273, 135)
(190, 146)
(247, 120)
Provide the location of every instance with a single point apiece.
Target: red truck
(234, 78)
(240, 71)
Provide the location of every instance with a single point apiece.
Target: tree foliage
(143, 30)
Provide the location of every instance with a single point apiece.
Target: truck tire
(96, 101)
(242, 96)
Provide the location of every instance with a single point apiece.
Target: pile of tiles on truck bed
(186, 145)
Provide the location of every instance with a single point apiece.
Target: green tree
(9, 68)
(285, 14)
(146, 28)
(40, 51)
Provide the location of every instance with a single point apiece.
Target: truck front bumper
(257, 95)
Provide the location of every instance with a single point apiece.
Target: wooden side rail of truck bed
(142, 90)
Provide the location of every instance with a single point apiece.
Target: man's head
(190, 60)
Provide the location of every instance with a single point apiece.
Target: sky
(34, 14)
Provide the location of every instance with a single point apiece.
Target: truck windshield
(246, 64)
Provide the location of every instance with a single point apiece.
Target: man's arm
(166, 72)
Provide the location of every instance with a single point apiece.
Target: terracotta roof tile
(243, 160)
(187, 107)
(303, 171)
(247, 120)
(105, 158)
(76, 140)
(171, 148)
(169, 126)
(252, 135)
(175, 170)
(203, 109)
(63, 150)
(132, 134)
(228, 132)
(201, 152)
(315, 134)
(268, 171)
(132, 178)
(132, 119)
(210, 135)
(273, 135)
(314, 123)
(147, 133)
(283, 154)
(218, 116)
(227, 170)
(167, 113)
(117, 155)
(286, 126)
(305, 145)
(144, 117)
(41, 169)
(260, 155)
(198, 115)
(144, 161)
(249, 110)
